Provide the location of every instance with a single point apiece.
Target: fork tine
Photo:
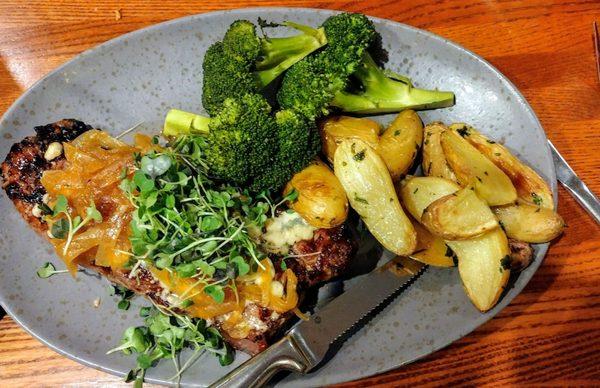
(597, 49)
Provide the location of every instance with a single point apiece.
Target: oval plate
(137, 77)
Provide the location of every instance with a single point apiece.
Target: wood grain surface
(550, 334)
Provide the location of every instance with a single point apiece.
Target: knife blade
(574, 185)
(307, 344)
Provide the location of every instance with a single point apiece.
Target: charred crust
(23, 167)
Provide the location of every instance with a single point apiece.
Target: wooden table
(551, 332)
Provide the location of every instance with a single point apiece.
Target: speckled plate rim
(469, 326)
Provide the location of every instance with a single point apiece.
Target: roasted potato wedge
(368, 185)
(434, 162)
(419, 192)
(321, 201)
(431, 249)
(400, 143)
(471, 167)
(530, 186)
(337, 128)
(530, 223)
(484, 267)
(459, 216)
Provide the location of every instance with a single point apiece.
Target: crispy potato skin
(481, 264)
(419, 192)
(431, 250)
(459, 216)
(481, 259)
(529, 185)
(337, 128)
(370, 190)
(321, 201)
(398, 145)
(530, 223)
(471, 167)
(433, 160)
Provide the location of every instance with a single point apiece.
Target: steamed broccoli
(298, 143)
(240, 141)
(311, 84)
(322, 80)
(247, 145)
(245, 63)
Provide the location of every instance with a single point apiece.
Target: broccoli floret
(311, 84)
(299, 143)
(247, 145)
(240, 141)
(321, 81)
(245, 63)
(384, 92)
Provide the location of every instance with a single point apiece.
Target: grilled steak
(324, 256)
(25, 163)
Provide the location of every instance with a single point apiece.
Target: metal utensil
(597, 48)
(579, 190)
(307, 344)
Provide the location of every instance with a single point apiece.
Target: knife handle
(586, 198)
(257, 371)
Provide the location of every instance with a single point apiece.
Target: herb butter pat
(284, 231)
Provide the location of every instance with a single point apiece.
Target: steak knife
(307, 344)
(579, 190)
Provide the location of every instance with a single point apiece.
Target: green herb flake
(537, 199)
(463, 131)
(359, 156)
(360, 199)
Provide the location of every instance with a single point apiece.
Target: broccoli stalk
(278, 54)
(180, 123)
(385, 92)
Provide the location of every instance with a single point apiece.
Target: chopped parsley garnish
(359, 156)
(463, 131)
(536, 199)
(360, 199)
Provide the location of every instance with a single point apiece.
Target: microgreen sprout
(69, 226)
(124, 294)
(164, 334)
(47, 270)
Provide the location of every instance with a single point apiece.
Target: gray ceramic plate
(137, 77)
